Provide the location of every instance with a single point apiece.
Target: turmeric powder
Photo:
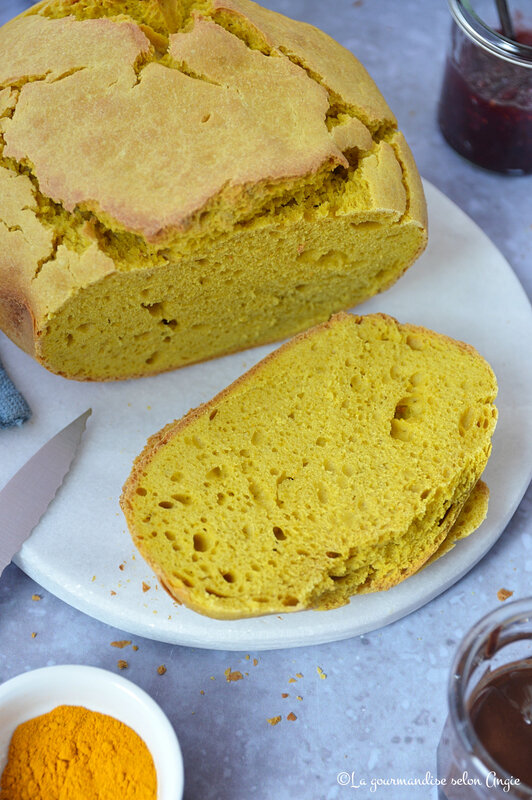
(72, 753)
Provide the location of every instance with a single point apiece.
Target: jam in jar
(485, 110)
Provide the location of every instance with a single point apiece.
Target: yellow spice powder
(72, 753)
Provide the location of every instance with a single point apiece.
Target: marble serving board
(81, 550)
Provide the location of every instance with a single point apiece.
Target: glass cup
(485, 108)
(498, 647)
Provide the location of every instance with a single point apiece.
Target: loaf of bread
(337, 465)
(181, 179)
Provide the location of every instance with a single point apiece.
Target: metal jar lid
(486, 37)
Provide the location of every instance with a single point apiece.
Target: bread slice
(181, 179)
(337, 465)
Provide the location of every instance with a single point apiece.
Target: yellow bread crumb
(231, 676)
(338, 465)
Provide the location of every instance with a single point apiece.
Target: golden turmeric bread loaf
(337, 465)
(181, 179)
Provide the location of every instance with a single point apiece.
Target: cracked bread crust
(142, 137)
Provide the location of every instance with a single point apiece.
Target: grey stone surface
(373, 705)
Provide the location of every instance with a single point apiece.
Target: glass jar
(490, 704)
(485, 109)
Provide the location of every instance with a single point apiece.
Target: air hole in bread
(184, 581)
(290, 601)
(184, 499)
(442, 520)
(166, 504)
(466, 420)
(155, 309)
(228, 577)
(214, 593)
(257, 437)
(213, 414)
(279, 534)
(215, 472)
(417, 379)
(201, 542)
(414, 342)
(395, 372)
(332, 554)
(400, 430)
(170, 323)
(365, 225)
(403, 409)
(141, 491)
(323, 495)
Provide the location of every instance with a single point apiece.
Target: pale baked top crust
(110, 125)
(168, 118)
(155, 145)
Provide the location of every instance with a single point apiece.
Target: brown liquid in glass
(501, 714)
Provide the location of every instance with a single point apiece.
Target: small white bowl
(39, 691)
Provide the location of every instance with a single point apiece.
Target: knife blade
(25, 497)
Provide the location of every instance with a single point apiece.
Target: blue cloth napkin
(13, 408)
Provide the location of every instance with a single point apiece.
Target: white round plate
(40, 690)
(81, 550)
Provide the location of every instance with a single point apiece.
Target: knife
(25, 498)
